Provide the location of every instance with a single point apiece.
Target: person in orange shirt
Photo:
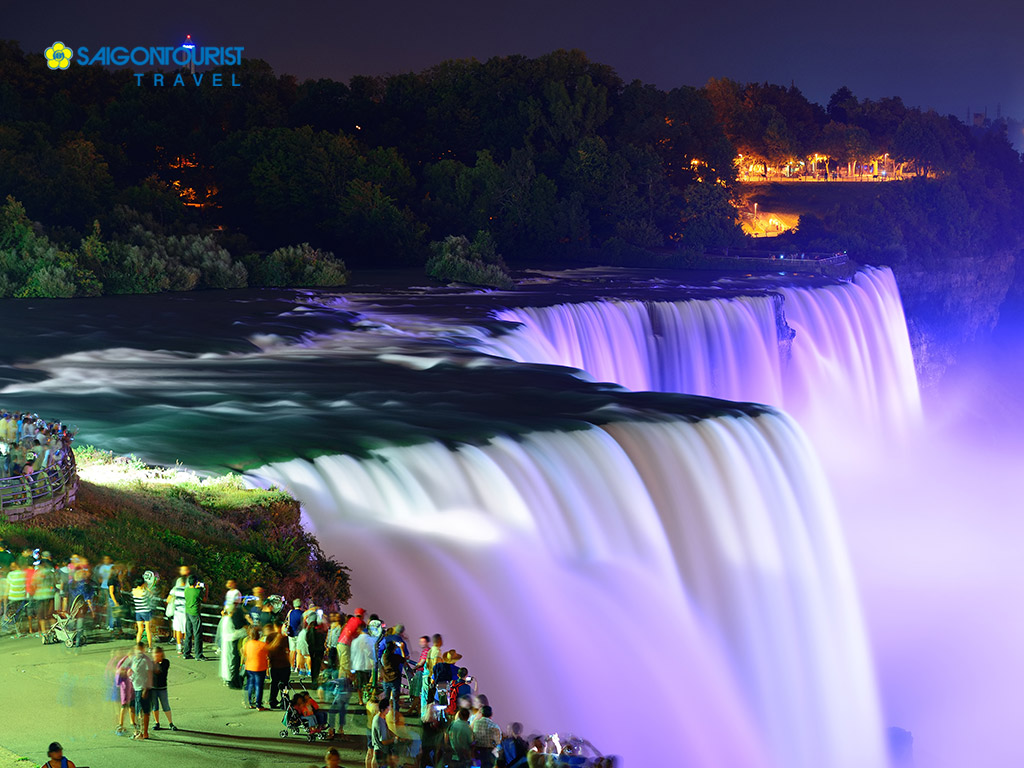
(256, 657)
(309, 709)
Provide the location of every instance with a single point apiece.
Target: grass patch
(159, 518)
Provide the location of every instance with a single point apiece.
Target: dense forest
(115, 187)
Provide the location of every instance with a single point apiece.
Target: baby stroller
(297, 725)
(13, 617)
(65, 627)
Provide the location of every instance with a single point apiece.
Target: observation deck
(52, 487)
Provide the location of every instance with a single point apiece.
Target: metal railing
(53, 487)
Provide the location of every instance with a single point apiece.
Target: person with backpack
(55, 757)
(391, 675)
(391, 653)
(315, 641)
(459, 689)
(444, 672)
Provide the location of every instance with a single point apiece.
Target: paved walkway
(53, 693)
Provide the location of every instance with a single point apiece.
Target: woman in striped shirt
(143, 612)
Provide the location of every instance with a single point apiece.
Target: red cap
(360, 611)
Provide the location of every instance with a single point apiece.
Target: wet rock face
(951, 303)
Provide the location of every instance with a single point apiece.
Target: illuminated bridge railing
(48, 489)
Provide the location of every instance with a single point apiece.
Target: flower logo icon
(58, 56)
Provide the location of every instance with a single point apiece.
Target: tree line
(553, 158)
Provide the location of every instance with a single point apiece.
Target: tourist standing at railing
(177, 607)
(416, 679)
(17, 455)
(103, 603)
(195, 593)
(230, 633)
(362, 662)
(8, 436)
(143, 612)
(231, 597)
(349, 631)
(331, 656)
(120, 591)
(313, 640)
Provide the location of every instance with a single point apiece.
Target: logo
(186, 57)
(58, 56)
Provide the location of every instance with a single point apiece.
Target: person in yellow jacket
(8, 429)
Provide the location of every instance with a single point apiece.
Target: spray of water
(691, 572)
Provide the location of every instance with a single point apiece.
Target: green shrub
(456, 259)
(300, 266)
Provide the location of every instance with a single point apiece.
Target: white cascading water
(671, 590)
(849, 370)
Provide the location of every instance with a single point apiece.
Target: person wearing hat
(55, 757)
(444, 673)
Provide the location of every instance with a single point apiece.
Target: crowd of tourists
(268, 649)
(29, 444)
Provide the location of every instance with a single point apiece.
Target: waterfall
(685, 579)
(848, 370)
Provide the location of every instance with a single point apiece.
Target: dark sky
(939, 54)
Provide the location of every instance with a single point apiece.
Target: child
(160, 700)
(338, 692)
(124, 693)
(310, 710)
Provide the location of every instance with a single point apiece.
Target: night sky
(943, 55)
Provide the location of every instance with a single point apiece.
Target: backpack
(453, 697)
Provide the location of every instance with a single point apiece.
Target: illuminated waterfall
(686, 579)
(849, 369)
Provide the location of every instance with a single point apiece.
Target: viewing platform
(52, 487)
(750, 260)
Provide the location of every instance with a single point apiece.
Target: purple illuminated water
(588, 574)
(849, 370)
